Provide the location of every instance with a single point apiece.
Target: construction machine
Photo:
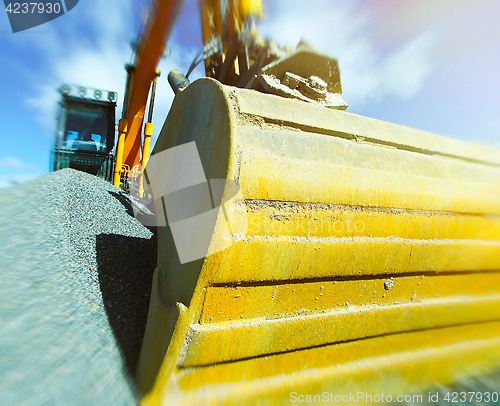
(85, 135)
(304, 250)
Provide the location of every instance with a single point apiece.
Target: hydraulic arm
(140, 76)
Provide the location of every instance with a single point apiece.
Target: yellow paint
(274, 301)
(301, 220)
(373, 365)
(213, 343)
(270, 258)
(148, 132)
(269, 177)
(248, 8)
(122, 129)
(234, 17)
(337, 205)
(307, 117)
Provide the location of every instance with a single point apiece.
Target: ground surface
(75, 271)
(75, 277)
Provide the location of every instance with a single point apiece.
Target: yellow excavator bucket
(354, 256)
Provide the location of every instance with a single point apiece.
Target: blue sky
(428, 64)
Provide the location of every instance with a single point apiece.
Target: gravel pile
(76, 270)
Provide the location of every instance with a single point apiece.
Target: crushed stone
(76, 272)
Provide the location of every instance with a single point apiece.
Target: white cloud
(403, 72)
(343, 30)
(14, 179)
(101, 68)
(13, 170)
(90, 47)
(11, 163)
(74, 58)
(15, 164)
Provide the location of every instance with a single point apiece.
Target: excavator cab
(86, 131)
